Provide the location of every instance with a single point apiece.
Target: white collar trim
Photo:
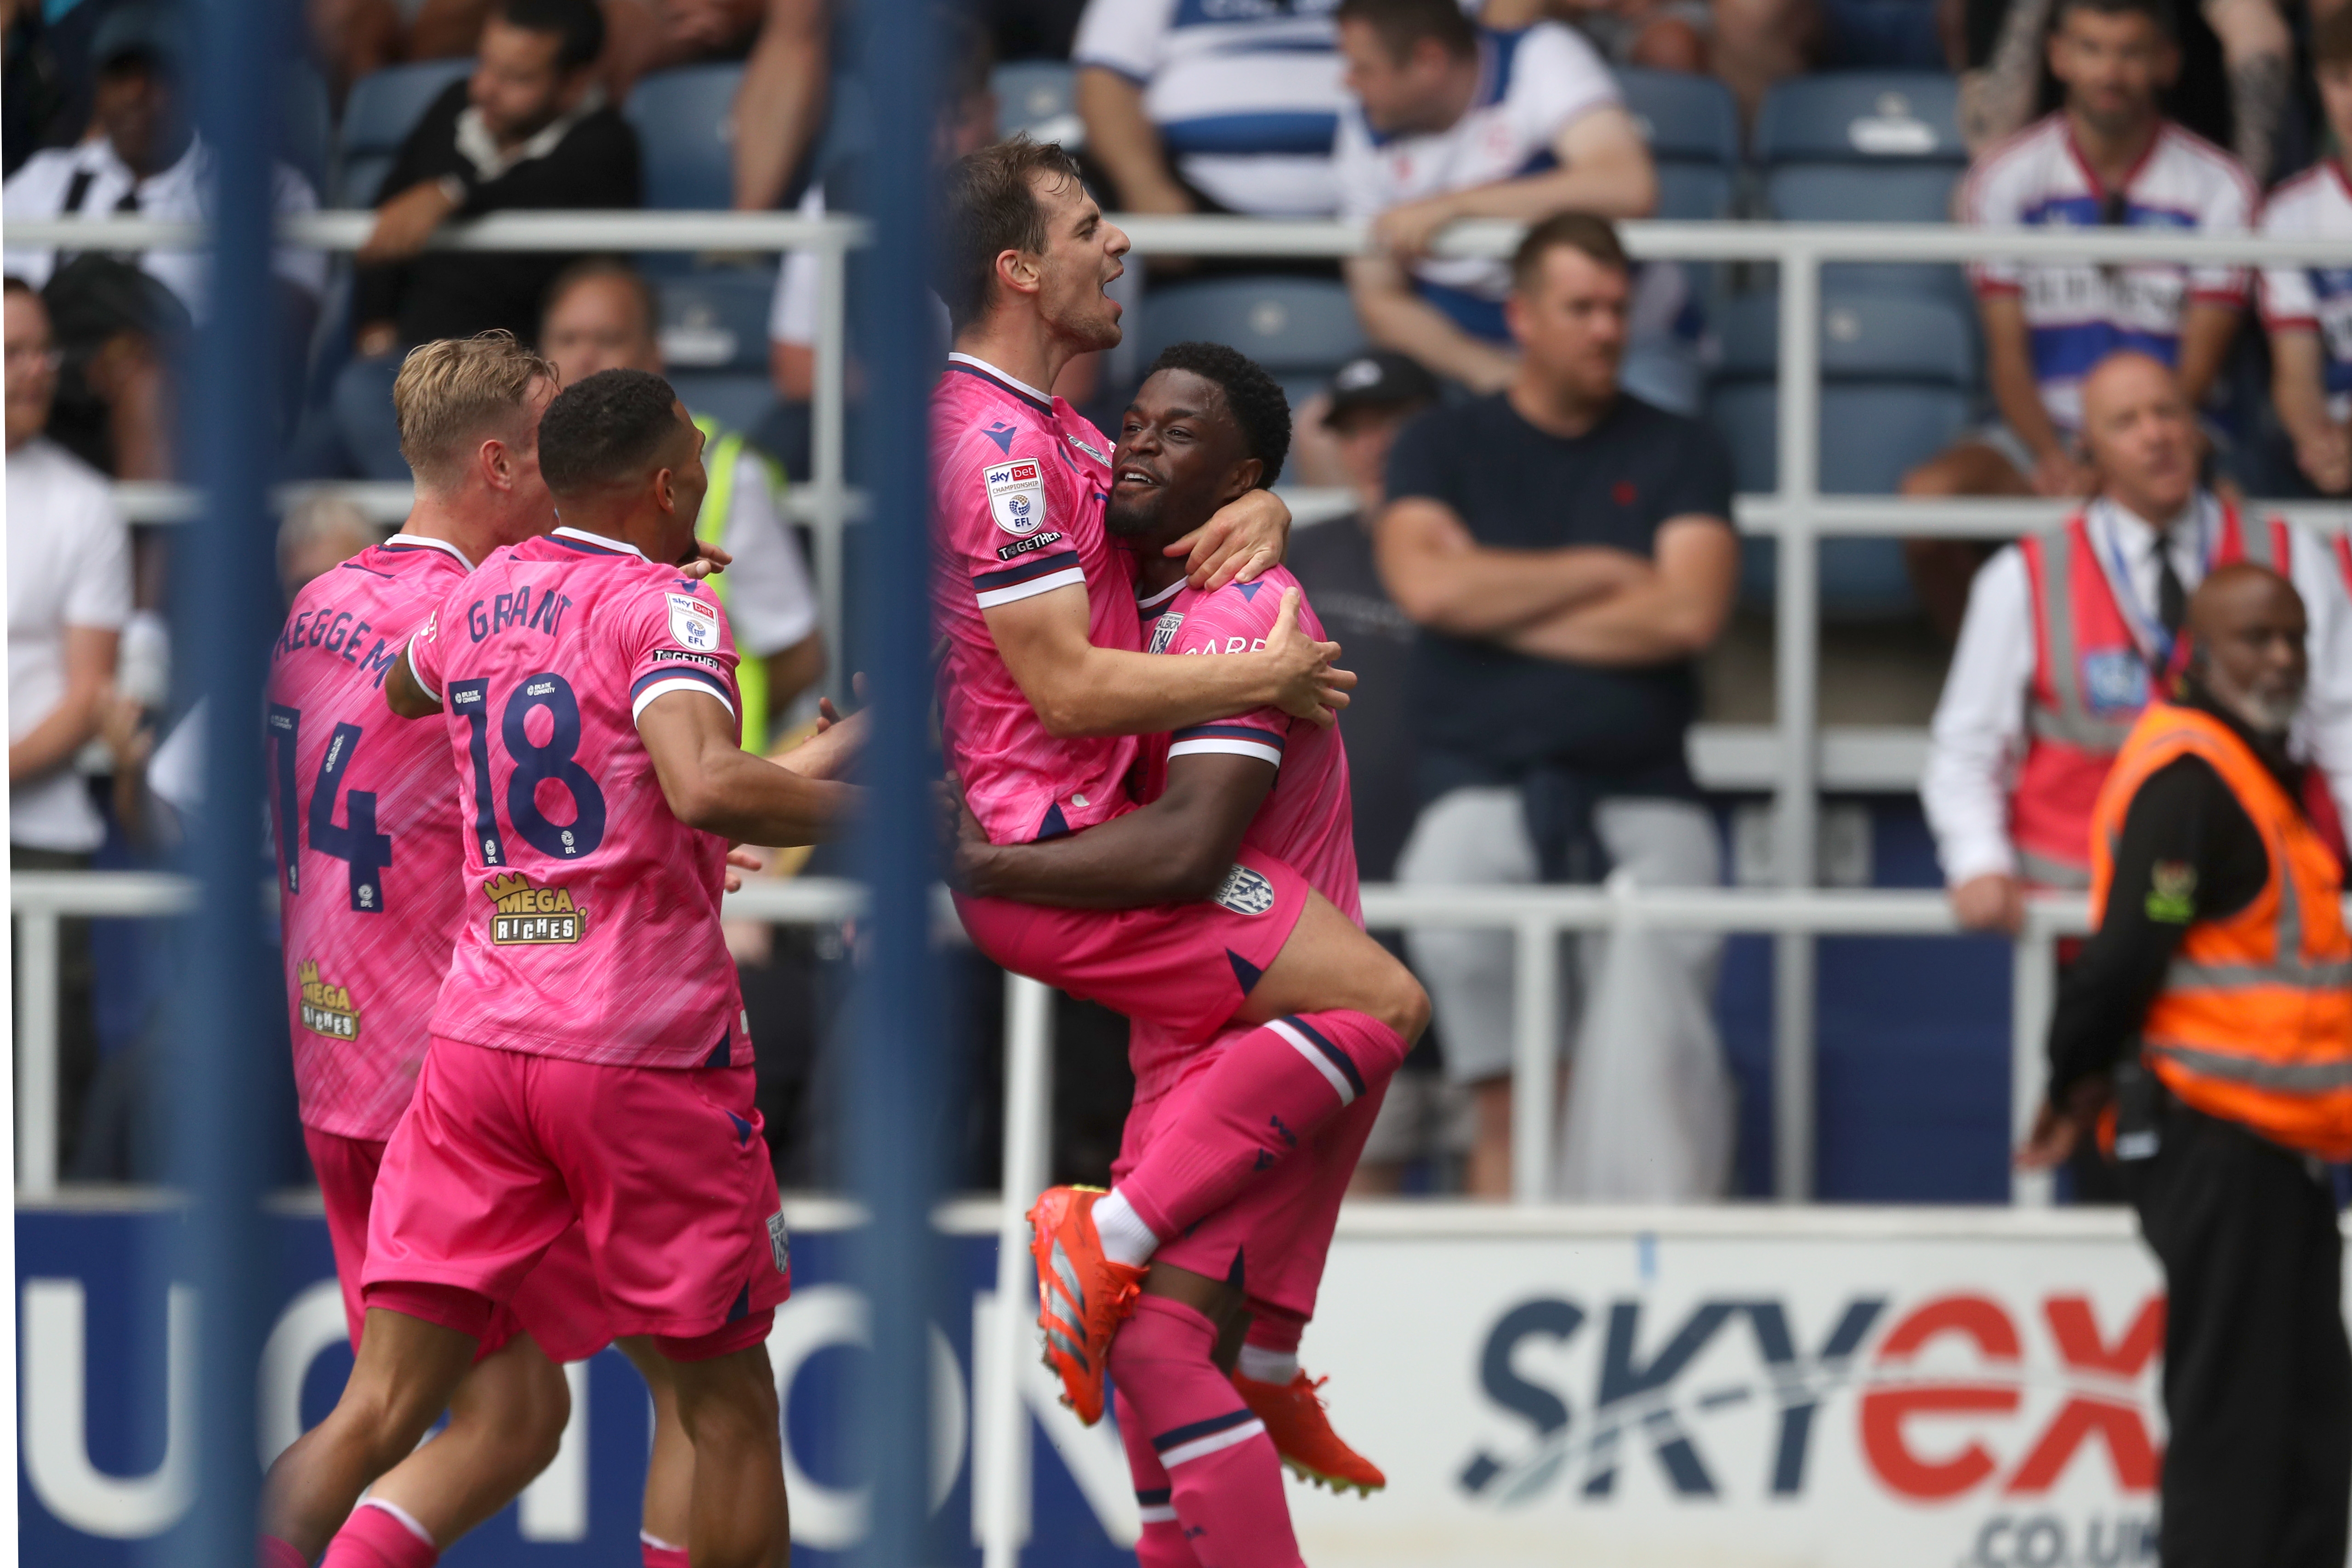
(1161, 597)
(598, 539)
(422, 542)
(1011, 381)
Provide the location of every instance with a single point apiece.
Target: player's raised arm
(711, 783)
(1078, 688)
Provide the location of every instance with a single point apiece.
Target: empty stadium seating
(1300, 328)
(1864, 147)
(1039, 98)
(685, 121)
(1897, 375)
(1692, 124)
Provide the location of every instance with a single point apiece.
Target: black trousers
(2257, 1373)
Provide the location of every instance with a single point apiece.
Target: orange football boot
(1293, 1414)
(1082, 1296)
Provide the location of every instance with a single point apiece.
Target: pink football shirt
(1021, 483)
(590, 923)
(366, 837)
(1307, 821)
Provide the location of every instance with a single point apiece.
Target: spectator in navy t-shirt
(1567, 552)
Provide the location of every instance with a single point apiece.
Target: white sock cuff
(407, 1519)
(1268, 1366)
(1124, 1237)
(648, 1538)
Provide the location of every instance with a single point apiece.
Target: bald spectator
(317, 535)
(601, 316)
(2070, 633)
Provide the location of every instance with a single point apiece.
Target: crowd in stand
(1543, 550)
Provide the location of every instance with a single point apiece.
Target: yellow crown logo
(506, 886)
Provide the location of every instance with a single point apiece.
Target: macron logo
(1001, 434)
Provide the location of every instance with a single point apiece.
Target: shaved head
(2248, 628)
(2141, 434)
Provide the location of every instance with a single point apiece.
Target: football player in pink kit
(1042, 689)
(370, 898)
(1205, 424)
(589, 1061)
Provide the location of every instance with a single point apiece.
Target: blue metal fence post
(226, 609)
(894, 1060)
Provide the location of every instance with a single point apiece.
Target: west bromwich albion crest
(1016, 496)
(694, 624)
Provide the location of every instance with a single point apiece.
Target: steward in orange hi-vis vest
(2090, 679)
(2252, 1022)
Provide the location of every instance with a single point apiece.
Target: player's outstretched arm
(405, 695)
(831, 752)
(711, 783)
(1175, 850)
(1078, 688)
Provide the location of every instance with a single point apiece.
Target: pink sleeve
(675, 639)
(424, 655)
(1007, 520)
(1232, 621)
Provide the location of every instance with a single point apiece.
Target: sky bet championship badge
(529, 915)
(694, 624)
(1016, 494)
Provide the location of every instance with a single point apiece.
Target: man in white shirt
(2068, 633)
(1449, 121)
(2308, 309)
(1216, 108)
(69, 597)
(601, 315)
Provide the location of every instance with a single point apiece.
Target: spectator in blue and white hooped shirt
(1212, 105)
(2107, 158)
(1449, 121)
(2308, 309)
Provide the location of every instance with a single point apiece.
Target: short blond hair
(455, 392)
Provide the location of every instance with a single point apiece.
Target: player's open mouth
(1134, 474)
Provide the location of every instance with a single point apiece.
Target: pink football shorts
(558, 1303)
(664, 1169)
(1184, 966)
(1271, 1241)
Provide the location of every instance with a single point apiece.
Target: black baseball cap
(1381, 379)
(152, 32)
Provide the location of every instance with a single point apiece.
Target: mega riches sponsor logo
(529, 915)
(1965, 1400)
(326, 1008)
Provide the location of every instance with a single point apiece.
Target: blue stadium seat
(1864, 147)
(1692, 124)
(718, 320)
(1898, 376)
(685, 121)
(1039, 98)
(377, 117)
(1300, 329)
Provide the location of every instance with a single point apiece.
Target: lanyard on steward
(2148, 631)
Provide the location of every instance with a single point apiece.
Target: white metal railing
(1797, 514)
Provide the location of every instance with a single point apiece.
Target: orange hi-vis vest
(2254, 1021)
(2090, 682)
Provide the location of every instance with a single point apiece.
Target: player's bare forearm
(1444, 580)
(1078, 688)
(405, 695)
(2206, 330)
(829, 753)
(1175, 850)
(713, 784)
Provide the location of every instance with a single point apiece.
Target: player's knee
(383, 1422)
(1405, 1005)
(729, 1402)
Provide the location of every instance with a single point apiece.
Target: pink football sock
(1269, 1091)
(1224, 1479)
(272, 1552)
(379, 1535)
(1162, 1543)
(660, 1553)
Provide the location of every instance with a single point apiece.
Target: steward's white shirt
(1977, 736)
(69, 565)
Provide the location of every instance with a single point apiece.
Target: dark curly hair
(1254, 397)
(606, 429)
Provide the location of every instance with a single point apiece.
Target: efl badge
(1016, 495)
(1246, 893)
(327, 1008)
(532, 917)
(693, 622)
(2115, 681)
